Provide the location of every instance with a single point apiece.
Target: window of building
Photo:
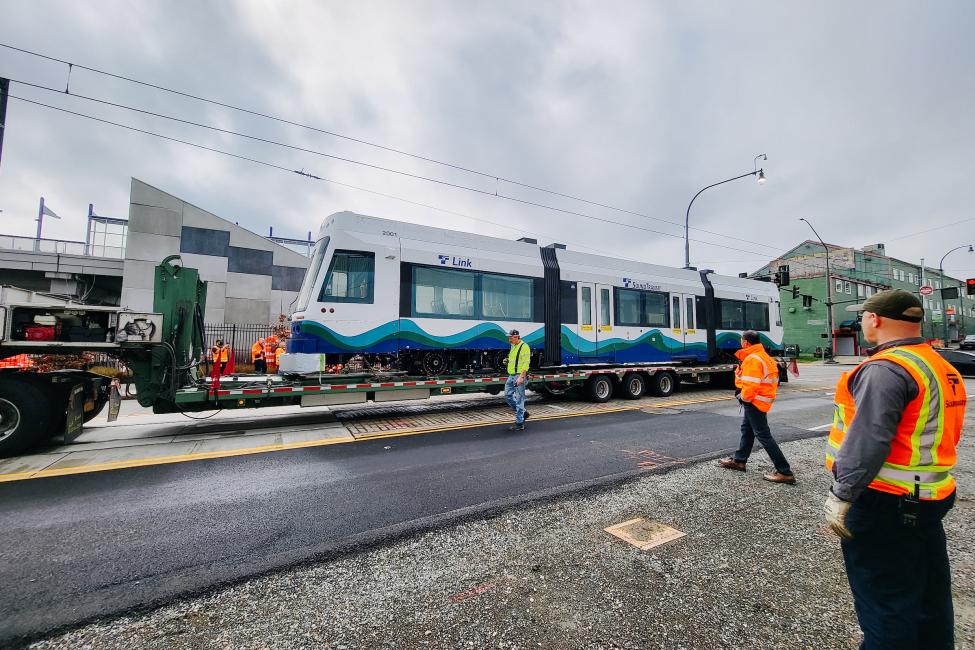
(505, 297)
(740, 315)
(443, 293)
(861, 291)
(839, 286)
(637, 308)
(848, 287)
(350, 278)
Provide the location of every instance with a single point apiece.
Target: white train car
(395, 295)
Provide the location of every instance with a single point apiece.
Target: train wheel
(599, 388)
(633, 386)
(433, 363)
(26, 416)
(663, 384)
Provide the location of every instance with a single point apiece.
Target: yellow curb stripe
(207, 455)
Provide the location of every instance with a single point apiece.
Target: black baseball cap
(896, 304)
(514, 333)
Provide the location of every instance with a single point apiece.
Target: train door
(595, 322)
(684, 325)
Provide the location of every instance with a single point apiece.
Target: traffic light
(782, 276)
(807, 302)
(795, 291)
(970, 284)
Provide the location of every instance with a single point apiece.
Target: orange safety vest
(757, 376)
(270, 345)
(923, 448)
(225, 354)
(257, 350)
(277, 356)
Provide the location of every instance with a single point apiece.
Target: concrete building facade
(856, 274)
(251, 280)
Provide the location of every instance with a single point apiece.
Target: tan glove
(836, 510)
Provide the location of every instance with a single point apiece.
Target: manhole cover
(644, 533)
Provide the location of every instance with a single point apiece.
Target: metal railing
(59, 246)
(239, 337)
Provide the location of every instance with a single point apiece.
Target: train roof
(376, 225)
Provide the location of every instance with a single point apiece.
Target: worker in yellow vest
(519, 358)
(257, 357)
(897, 421)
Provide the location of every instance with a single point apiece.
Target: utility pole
(4, 89)
(829, 299)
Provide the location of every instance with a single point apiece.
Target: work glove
(836, 510)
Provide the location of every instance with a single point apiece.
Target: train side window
(756, 316)
(587, 306)
(675, 312)
(444, 293)
(604, 307)
(691, 325)
(505, 297)
(351, 278)
(569, 308)
(740, 315)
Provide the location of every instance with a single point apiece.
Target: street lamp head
(761, 177)
(970, 249)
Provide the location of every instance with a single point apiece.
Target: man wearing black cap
(519, 358)
(892, 447)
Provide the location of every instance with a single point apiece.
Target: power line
(498, 178)
(311, 176)
(303, 173)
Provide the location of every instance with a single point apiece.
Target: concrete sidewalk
(756, 569)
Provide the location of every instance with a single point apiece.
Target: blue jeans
(899, 575)
(755, 425)
(515, 396)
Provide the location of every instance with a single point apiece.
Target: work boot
(517, 427)
(779, 477)
(527, 415)
(731, 463)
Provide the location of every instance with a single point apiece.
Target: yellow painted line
(207, 455)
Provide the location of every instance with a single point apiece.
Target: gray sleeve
(881, 390)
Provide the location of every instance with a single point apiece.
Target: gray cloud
(864, 111)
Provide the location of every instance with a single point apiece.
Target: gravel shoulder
(756, 569)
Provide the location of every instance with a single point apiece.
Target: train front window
(740, 315)
(311, 276)
(351, 277)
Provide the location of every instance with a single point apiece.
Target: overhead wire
(497, 177)
(311, 176)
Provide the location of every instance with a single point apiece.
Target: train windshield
(317, 257)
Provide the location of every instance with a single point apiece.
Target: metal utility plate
(644, 533)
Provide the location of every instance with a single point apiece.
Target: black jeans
(899, 575)
(755, 425)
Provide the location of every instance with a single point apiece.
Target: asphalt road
(93, 545)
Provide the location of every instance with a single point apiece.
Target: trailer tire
(25, 416)
(663, 384)
(599, 388)
(633, 385)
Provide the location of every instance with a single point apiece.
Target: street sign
(926, 290)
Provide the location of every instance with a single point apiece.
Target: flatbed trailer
(166, 351)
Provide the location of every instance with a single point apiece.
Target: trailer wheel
(633, 385)
(599, 388)
(25, 416)
(663, 384)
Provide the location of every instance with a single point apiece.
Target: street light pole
(760, 173)
(944, 301)
(829, 298)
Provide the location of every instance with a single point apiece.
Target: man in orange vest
(257, 357)
(270, 345)
(757, 380)
(897, 421)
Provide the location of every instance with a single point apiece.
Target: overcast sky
(864, 109)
